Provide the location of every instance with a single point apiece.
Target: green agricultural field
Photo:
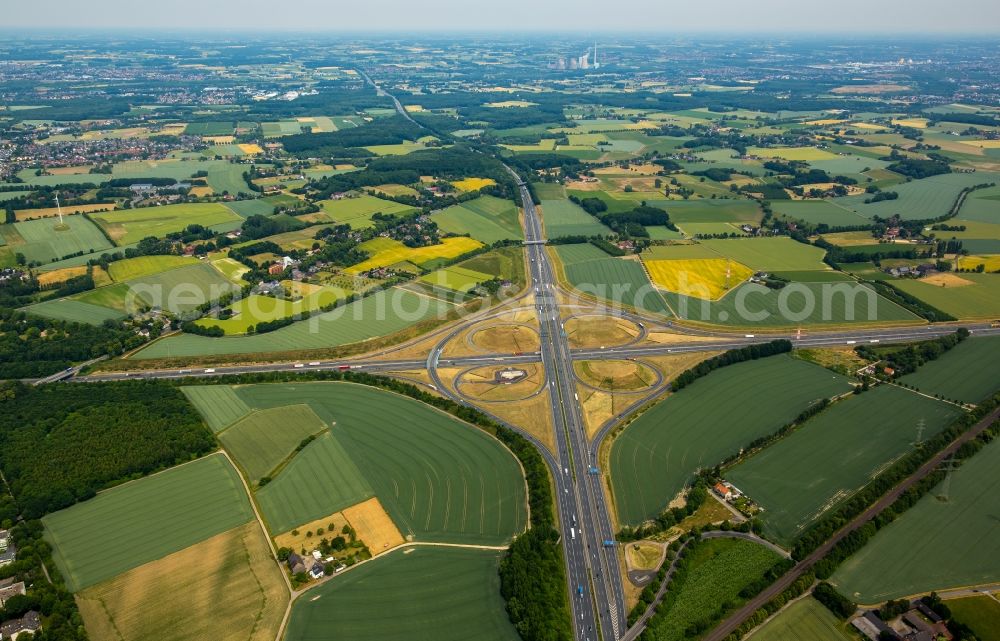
(113, 297)
(710, 211)
(130, 268)
(818, 212)
(947, 540)
(210, 128)
(77, 311)
(811, 471)
(614, 203)
(145, 520)
(800, 303)
(616, 280)
(358, 212)
(43, 241)
(581, 253)
(318, 481)
(807, 154)
(439, 479)
(919, 199)
(694, 251)
(231, 269)
(563, 218)
(845, 165)
(979, 299)
(456, 278)
(982, 205)
(506, 263)
(176, 290)
(413, 594)
(132, 225)
(717, 571)
(980, 613)
(256, 308)
(260, 206)
(770, 254)
(264, 440)
(966, 373)
(223, 176)
(487, 219)
(378, 315)
(218, 404)
(806, 619)
(549, 191)
(699, 426)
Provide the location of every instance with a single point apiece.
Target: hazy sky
(784, 16)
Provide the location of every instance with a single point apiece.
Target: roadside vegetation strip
(262, 441)
(438, 480)
(966, 373)
(218, 404)
(227, 586)
(419, 593)
(355, 322)
(146, 520)
(944, 541)
(659, 452)
(826, 460)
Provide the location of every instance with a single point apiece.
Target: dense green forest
(61, 443)
(33, 347)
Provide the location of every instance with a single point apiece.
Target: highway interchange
(593, 569)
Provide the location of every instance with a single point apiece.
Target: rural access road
(725, 628)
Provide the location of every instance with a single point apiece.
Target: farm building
(31, 623)
(10, 589)
(295, 563)
(723, 491)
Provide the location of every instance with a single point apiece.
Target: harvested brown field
(227, 588)
(946, 280)
(505, 339)
(372, 525)
(51, 212)
(600, 331)
(60, 275)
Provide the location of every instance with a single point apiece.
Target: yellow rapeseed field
(701, 278)
(385, 252)
(473, 184)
